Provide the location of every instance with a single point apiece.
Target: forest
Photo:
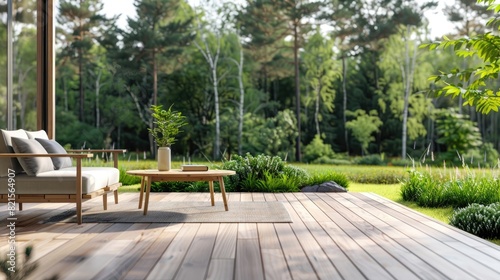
(309, 81)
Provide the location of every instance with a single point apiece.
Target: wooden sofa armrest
(78, 186)
(115, 153)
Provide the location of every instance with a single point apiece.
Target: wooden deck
(333, 236)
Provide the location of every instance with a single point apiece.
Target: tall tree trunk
(241, 106)
(217, 117)
(212, 61)
(316, 110)
(155, 79)
(298, 154)
(97, 90)
(407, 72)
(82, 92)
(344, 102)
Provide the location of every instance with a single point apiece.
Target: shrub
(370, 160)
(480, 220)
(127, 179)
(402, 162)
(181, 186)
(252, 172)
(317, 149)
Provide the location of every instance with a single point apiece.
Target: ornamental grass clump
(480, 220)
(430, 191)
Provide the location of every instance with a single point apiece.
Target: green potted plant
(166, 126)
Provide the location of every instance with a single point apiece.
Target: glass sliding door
(18, 57)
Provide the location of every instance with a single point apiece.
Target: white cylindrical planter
(164, 158)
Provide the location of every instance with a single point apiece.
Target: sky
(437, 22)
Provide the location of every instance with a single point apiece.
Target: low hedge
(480, 220)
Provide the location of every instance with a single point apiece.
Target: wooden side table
(152, 175)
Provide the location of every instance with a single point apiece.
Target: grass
(393, 193)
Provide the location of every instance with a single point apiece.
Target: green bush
(127, 179)
(182, 187)
(263, 172)
(480, 220)
(402, 162)
(430, 191)
(370, 160)
(317, 149)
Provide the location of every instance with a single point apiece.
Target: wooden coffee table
(152, 175)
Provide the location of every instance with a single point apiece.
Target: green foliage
(317, 149)
(480, 220)
(361, 174)
(271, 136)
(457, 133)
(127, 179)
(22, 269)
(167, 124)
(182, 187)
(263, 173)
(370, 160)
(363, 126)
(427, 190)
(319, 178)
(402, 162)
(472, 83)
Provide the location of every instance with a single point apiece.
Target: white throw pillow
(37, 134)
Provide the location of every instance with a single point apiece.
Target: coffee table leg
(223, 191)
(211, 187)
(148, 190)
(141, 195)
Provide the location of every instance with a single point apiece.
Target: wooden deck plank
(322, 264)
(63, 257)
(195, 264)
(225, 245)
(153, 251)
(140, 241)
(388, 238)
(478, 265)
(248, 263)
(221, 269)
(459, 235)
(470, 250)
(274, 262)
(170, 261)
(339, 236)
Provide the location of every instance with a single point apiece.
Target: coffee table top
(179, 173)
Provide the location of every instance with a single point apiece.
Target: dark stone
(310, 188)
(325, 187)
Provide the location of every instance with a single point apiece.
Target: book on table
(194, 167)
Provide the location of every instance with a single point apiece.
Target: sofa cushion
(32, 165)
(6, 147)
(52, 147)
(63, 181)
(37, 134)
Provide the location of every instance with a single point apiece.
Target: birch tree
(321, 72)
(404, 71)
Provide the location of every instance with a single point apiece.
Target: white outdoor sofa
(35, 169)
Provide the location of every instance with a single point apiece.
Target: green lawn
(392, 192)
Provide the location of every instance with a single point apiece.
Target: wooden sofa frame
(78, 197)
